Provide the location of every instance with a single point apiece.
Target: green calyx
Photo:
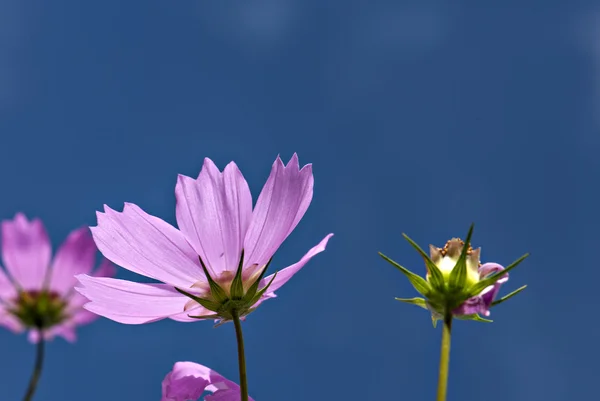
(238, 299)
(452, 277)
(39, 309)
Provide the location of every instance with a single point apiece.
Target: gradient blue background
(419, 117)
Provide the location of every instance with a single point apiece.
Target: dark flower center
(39, 309)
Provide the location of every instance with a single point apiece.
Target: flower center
(39, 309)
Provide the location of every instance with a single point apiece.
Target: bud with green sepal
(456, 285)
(456, 281)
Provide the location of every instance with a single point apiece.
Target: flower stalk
(37, 369)
(444, 358)
(241, 356)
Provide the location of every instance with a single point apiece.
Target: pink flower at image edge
(31, 273)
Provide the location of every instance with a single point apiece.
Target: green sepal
(261, 292)
(436, 276)
(458, 276)
(415, 301)
(254, 287)
(216, 291)
(210, 305)
(420, 284)
(480, 286)
(508, 296)
(237, 285)
(434, 320)
(474, 317)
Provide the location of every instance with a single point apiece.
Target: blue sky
(418, 117)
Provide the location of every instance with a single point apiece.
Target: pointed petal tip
(20, 216)
(294, 162)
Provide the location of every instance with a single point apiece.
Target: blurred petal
(26, 251)
(280, 206)
(284, 275)
(9, 321)
(76, 256)
(214, 212)
(128, 302)
(7, 289)
(146, 245)
(65, 331)
(105, 269)
(82, 316)
(188, 380)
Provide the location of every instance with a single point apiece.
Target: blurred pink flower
(37, 293)
(188, 381)
(218, 232)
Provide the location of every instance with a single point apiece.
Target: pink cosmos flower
(188, 381)
(36, 293)
(217, 257)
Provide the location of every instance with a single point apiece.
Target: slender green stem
(241, 356)
(37, 369)
(444, 358)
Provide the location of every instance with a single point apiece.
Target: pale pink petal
(284, 275)
(128, 302)
(188, 380)
(7, 289)
(76, 256)
(280, 206)
(26, 251)
(214, 213)
(146, 245)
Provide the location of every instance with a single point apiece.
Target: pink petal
(146, 245)
(7, 289)
(188, 380)
(76, 256)
(284, 275)
(26, 251)
(128, 302)
(214, 213)
(280, 206)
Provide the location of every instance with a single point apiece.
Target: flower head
(188, 381)
(36, 293)
(456, 282)
(213, 266)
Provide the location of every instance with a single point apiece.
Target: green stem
(241, 356)
(37, 369)
(444, 358)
